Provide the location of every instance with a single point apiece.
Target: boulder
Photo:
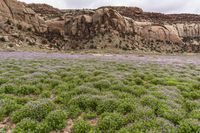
(4, 38)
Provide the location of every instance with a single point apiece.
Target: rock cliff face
(127, 28)
(117, 31)
(15, 10)
(45, 11)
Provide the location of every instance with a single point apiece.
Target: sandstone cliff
(18, 11)
(84, 31)
(127, 28)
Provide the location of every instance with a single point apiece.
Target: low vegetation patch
(44, 95)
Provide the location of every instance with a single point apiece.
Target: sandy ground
(161, 59)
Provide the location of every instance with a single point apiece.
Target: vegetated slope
(43, 95)
(127, 28)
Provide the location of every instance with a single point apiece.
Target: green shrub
(43, 127)
(27, 90)
(81, 127)
(189, 126)
(56, 119)
(139, 91)
(195, 114)
(118, 86)
(192, 105)
(90, 115)
(37, 110)
(9, 88)
(85, 102)
(110, 122)
(155, 125)
(26, 126)
(140, 113)
(3, 80)
(151, 101)
(102, 84)
(3, 130)
(158, 81)
(138, 81)
(124, 130)
(171, 82)
(108, 105)
(125, 106)
(193, 95)
(172, 114)
(45, 94)
(74, 111)
(7, 106)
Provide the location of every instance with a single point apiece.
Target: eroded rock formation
(128, 28)
(15, 10)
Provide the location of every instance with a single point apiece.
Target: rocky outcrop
(139, 15)
(107, 28)
(127, 28)
(45, 11)
(12, 9)
(102, 21)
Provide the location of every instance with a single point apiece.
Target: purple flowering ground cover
(41, 93)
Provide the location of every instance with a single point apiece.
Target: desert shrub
(125, 106)
(90, 115)
(162, 109)
(124, 130)
(37, 110)
(62, 88)
(193, 95)
(183, 88)
(189, 126)
(196, 86)
(3, 130)
(110, 122)
(171, 82)
(52, 82)
(195, 114)
(158, 81)
(140, 113)
(165, 125)
(56, 119)
(81, 127)
(8, 88)
(26, 126)
(118, 86)
(7, 106)
(139, 91)
(86, 89)
(151, 101)
(108, 105)
(3, 80)
(65, 97)
(192, 105)
(45, 94)
(85, 102)
(102, 84)
(156, 125)
(27, 89)
(138, 81)
(43, 127)
(74, 111)
(172, 114)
